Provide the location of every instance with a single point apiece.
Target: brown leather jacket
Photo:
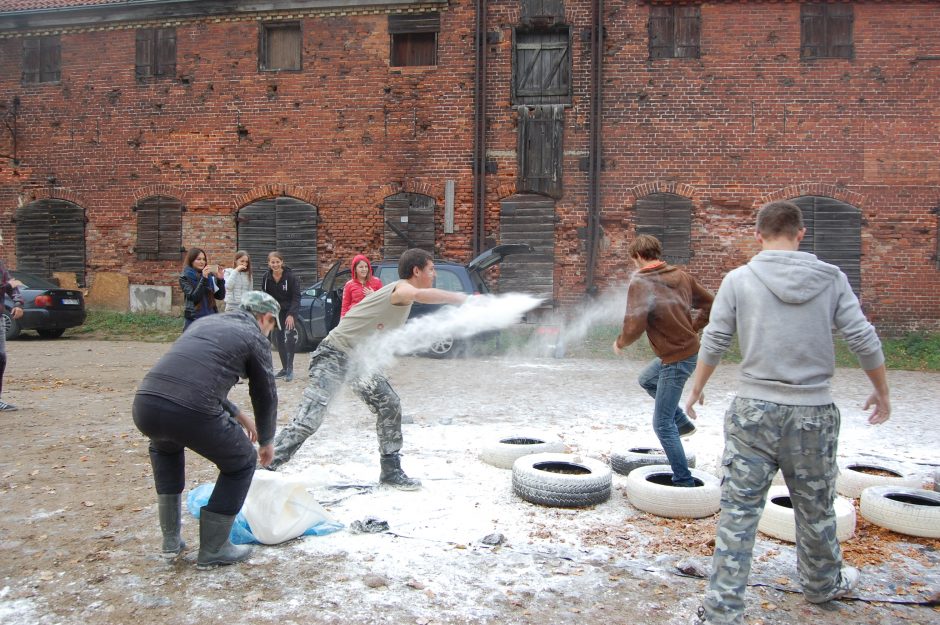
(660, 302)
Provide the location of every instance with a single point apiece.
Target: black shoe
(280, 374)
(687, 430)
(393, 476)
(289, 376)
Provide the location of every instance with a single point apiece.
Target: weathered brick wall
(746, 123)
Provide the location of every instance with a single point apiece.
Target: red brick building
(331, 127)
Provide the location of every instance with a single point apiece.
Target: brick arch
(662, 186)
(505, 190)
(164, 190)
(55, 193)
(406, 186)
(836, 192)
(311, 196)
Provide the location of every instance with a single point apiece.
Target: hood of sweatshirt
(356, 259)
(794, 277)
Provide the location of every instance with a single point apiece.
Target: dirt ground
(79, 533)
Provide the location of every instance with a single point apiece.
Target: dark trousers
(3, 366)
(286, 342)
(172, 428)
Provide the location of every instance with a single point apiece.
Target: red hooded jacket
(354, 291)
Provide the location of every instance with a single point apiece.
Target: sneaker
(280, 374)
(848, 582)
(7, 407)
(687, 430)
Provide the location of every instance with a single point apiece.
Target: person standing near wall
(8, 287)
(280, 283)
(237, 280)
(783, 305)
(361, 284)
(660, 299)
(183, 403)
(201, 284)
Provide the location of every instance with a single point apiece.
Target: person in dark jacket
(202, 284)
(8, 287)
(660, 299)
(182, 403)
(280, 283)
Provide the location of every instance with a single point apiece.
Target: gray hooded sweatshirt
(784, 306)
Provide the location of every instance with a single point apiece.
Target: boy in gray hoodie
(783, 306)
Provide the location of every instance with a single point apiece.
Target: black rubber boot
(215, 548)
(393, 476)
(169, 507)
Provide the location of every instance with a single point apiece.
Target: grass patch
(117, 326)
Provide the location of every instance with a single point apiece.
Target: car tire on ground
(445, 348)
(853, 478)
(10, 326)
(50, 334)
(506, 451)
(650, 489)
(778, 519)
(636, 457)
(561, 480)
(911, 511)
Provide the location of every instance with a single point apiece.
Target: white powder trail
(481, 313)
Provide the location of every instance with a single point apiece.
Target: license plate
(70, 302)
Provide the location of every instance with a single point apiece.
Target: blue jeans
(664, 383)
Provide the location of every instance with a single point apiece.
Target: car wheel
(857, 474)
(50, 334)
(637, 457)
(650, 489)
(504, 453)
(561, 480)
(778, 521)
(911, 511)
(10, 326)
(445, 348)
(303, 344)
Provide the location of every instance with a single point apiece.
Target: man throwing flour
(383, 310)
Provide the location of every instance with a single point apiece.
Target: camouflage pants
(329, 368)
(801, 441)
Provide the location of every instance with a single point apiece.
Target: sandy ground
(79, 533)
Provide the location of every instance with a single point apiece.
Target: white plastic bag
(279, 508)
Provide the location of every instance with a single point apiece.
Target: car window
(448, 280)
(388, 274)
(32, 282)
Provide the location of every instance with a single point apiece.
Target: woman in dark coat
(280, 283)
(202, 285)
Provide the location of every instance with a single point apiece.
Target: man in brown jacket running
(660, 299)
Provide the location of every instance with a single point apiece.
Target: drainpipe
(596, 153)
(479, 131)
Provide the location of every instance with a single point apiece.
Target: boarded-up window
(159, 228)
(156, 53)
(542, 67)
(50, 237)
(833, 234)
(414, 39)
(668, 217)
(280, 47)
(409, 222)
(675, 32)
(283, 224)
(826, 31)
(541, 149)
(542, 12)
(42, 59)
(530, 219)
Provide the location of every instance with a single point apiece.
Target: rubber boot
(393, 476)
(169, 507)
(215, 548)
(282, 355)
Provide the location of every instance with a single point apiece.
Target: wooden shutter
(668, 217)
(284, 224)
(688, 32)
(839, 31)
(165, 45)
(409, 222)
(542, 12)
(281, 46)
(541, 149)
(826, 31)
(143, 61)
(159, 228)
(31, 59)
(420, 23)
(662, 29)
(50, 237)
(528, 219)
(833, 234)
(542, 67)
(49, 59)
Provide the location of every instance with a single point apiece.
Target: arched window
(283, 224)
(833, 234)
(668, 217)
(159, 228)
